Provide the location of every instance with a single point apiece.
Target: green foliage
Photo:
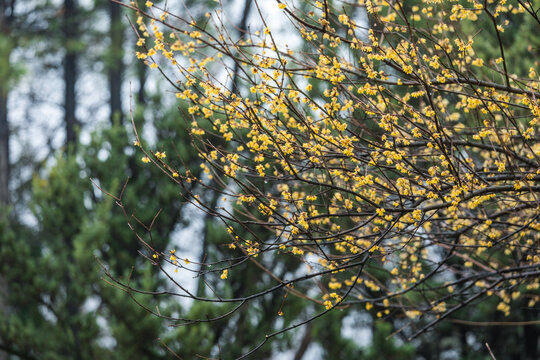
(57, 291)
(521, 45)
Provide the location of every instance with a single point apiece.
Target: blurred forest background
(69, 83)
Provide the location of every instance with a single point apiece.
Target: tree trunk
(531, 334)
(6, 17)
(4, 149)
(242, 29)
(69, 29)
(142, 73)
(4, 196)
(116, 65)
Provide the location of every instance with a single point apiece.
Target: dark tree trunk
(6, 18)
(242, 29)
(4, 196)
(531, 335)
(70, 30)
(141, 75)
(116, 65)
(4, 149)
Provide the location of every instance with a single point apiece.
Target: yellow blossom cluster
(399, 150)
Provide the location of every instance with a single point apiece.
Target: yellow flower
(478, 62)
(149, 4)
(282, 6)
(224, 274)
(328, 304)
(161, 155)
(145, 159)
